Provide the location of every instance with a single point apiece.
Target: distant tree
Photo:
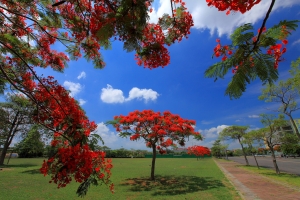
(122, 153)
(262, 151)
(170, 151)
(235, 133)
(216, 148)
(224, 148)
(198, 151)
(250, 138)
(237, 152)
(32, 144)
(229, 153)
(287, 95)
(158, 130)
(290, 144)
(15, 118)
(270, 133)
(295, 72)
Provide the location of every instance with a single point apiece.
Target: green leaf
(84, 186)
(237, 37)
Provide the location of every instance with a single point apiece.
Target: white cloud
(218, 22)
(146, 94)
(28, 40)
(75, 88)
(212, 132)
(296, 42)
(237, 120)
(81, 75)
(253, 116)
(111, 95)
(114, 141)
(81, 102)
(108, 137)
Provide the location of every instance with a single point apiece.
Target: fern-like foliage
(250, 59)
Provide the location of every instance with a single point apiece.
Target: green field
(176, 178)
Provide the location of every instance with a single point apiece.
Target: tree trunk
(247, 163)
(295, 128)
(3, 153)
(9, 138)
(226, 154)
(274, 161)
(153, 161)
(9, 157)
(255, 160)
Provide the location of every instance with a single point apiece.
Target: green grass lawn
(176, 178)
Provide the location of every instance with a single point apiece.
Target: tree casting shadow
(172, 185)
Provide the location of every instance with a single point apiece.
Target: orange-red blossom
(198, 150)
(159, 130)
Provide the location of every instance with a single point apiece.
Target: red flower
(284, 42)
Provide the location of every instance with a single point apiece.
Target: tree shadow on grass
(33, 171)
(172, 185)
(282, 174)
(15, 166)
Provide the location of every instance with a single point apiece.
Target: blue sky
(181, 88)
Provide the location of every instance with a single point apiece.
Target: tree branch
(263, 24)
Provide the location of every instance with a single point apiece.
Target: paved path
(253, 186)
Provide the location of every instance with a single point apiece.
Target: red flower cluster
(154, 53)
(198, 150)
(222, 50)
(61, 113)
(159, 130)
(78, 162)
(277, 51)
(233, 5)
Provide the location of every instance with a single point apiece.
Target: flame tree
(158, 130)
(198, 150)
(29, 31)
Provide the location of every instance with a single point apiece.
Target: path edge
(243, 191)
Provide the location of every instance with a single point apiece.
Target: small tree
(290, 144)
(270, 134)
(285, 94)
(198, 151)
(235, 133)
(32, 145)
(250, 138)
(216, 148)
(158, 130)
(15, 116)
(224, 149)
